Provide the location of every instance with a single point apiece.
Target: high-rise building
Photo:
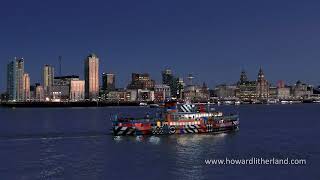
(11, 81)
(175, 86)
(48, 77)
(26, 87)
(20, 73)
(15, 71)
(108, 81)
(91, 73)
(167, 77)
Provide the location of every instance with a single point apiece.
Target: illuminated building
(91, 73)
(141, 81)
(61, 87)
(15, 72)
(39, 93)
(77, 90)
(26, 87)
(108, 82)
(48, 77)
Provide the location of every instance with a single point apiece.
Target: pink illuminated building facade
(77, 90)
(91, 72)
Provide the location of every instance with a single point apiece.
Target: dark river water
(74, 143)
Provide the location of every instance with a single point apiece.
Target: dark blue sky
(211, 39)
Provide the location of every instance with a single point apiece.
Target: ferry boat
(176, 119)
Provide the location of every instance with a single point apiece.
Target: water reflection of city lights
(196, 138)
(139, 138)
(117, 138)
(154, 140)
(221, 135)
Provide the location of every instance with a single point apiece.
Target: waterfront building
(243, 77)
(224, 91)
(48, 77)
(61, 87)
(180, 88)
(20, 73)
(3, 97)
(204, 93)
(167, 76)
(284, 93)
(316, 90)
(190, 92)
(273, 92)
(131, 95)
(122, 95)
(91, 73)
(108, 81)
(33, 91)
(141, 81)
(15, 72)
(116, 96)
(11, 81)
(246, 90)
(77, 90)
(262, 86)
(181, 81)
(145, 95)
(26, 87)
(195, 93)
(171, 81)
(162, 92)
(40, 96)
(176, 84)
(301, 90)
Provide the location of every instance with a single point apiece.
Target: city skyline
(212, 40)
(158, 81)
(143, 88)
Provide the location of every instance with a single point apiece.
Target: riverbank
(67, 104)
(108, 103)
